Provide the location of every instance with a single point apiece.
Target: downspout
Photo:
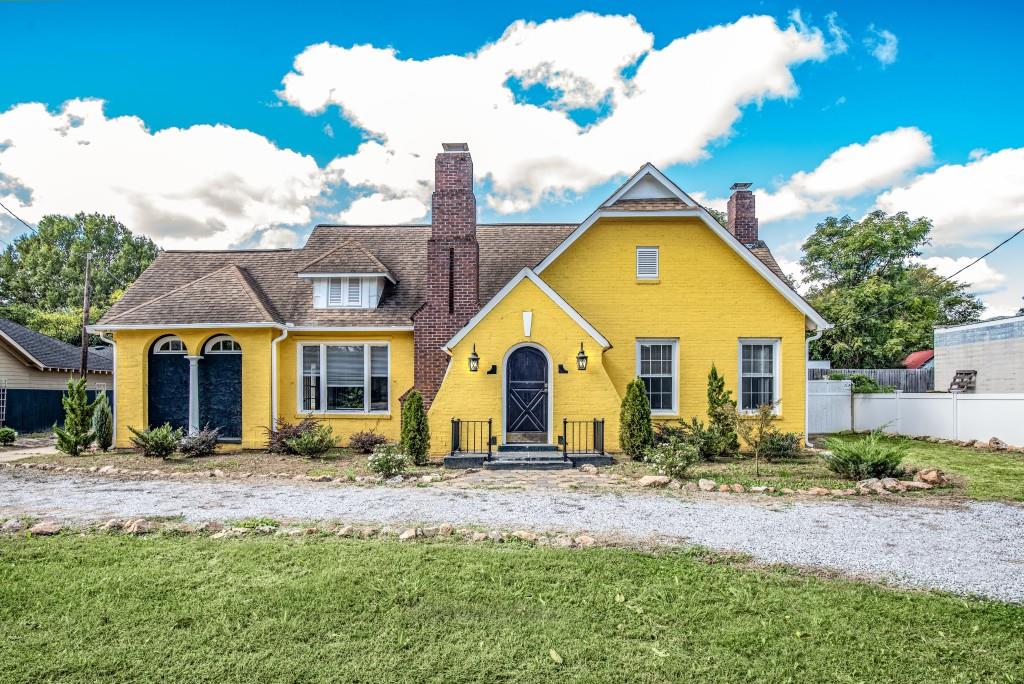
(273, 377)
(807, 385)
(113, 386)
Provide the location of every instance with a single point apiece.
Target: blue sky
(940, 89)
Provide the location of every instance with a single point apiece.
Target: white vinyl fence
(833, 408)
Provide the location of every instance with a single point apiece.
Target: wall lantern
(474, 361)
(581, 359)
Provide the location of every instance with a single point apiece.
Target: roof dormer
(347, 277)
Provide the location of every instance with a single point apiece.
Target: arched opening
(527, 404)
(167, 398)
(220, 387)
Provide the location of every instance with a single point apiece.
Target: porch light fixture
(474, 361)
(581, 359)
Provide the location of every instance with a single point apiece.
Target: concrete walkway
(974, 549)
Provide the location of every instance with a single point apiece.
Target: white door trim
(504, 388)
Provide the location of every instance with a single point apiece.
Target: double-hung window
(759, 373)
(657, 365)
(350, 378)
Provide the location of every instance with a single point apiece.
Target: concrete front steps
(525, 457)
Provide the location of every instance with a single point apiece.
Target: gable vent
(647, 262)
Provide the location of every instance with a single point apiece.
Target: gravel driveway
(974, 549)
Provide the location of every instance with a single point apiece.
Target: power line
(23, 222)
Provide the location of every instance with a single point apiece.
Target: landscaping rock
(562, 542)
(914, 484)
(869, 483)
(654, 480)
(321, 478)
(932, 476)
(397, 479)
(107, 470)
(737, 488)
(786, 490)
(588, 468)
(496, 536)
(889, 483)
(46, 528)
(407, 534)
(724, 488)
(111, 525)
(13, 525)
(818, 491)
(479, 536)
(706, 485)
(433, 477)
(218, 473)
(759, 489)
(525, 535)
(428, 532)
(346, 531)
(139, 526)
(446, 529)
(585, 540)
(692, 487)
(675, 484)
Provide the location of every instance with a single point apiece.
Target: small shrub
(103, 423)
(7, 436)
(76, 435)
(200, 443)
(711, 440)
(387, 460)
(673, 458)
(313, 443)
(415, 438)
(635, 432)
(158, 442)
(754, 429)
(872, 456)
(277, 438)
(777, 445)
(722, 438)
(365, 442)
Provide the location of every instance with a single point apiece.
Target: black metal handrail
(582, 437)
(472, 436)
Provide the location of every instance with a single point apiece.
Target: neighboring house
(525, 325)
(919, 359)
(994, 348)
(34, 370)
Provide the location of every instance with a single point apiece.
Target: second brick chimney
(742, 218)
(453, 267)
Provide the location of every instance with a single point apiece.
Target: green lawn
(110, 608)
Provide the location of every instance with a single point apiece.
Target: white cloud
(982, 277)
(378, 209)
(794, 271)
(970, 203)
(681, 97)
(882, 44)
(275, 238)
(202, 186)
(848, 172)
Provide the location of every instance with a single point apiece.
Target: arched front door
(220, 387)
(168, 383)
(526, 396)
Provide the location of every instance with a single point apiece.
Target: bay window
(344, 378)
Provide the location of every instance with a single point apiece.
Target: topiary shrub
(777, 445)
(158, 442)
(365, 442)
(635, 432)
(200, 443)
(76, 435)
(103, 423)
(872, 456)
(7, 436)
(387, 460)
(673, 457)
(415, 437)
(313, 443)
(277, 438)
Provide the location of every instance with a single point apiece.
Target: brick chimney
(453, 267)
(742, 218)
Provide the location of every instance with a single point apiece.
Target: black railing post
(455, 435)
(490, 437)
(599, 436)
(565, 439)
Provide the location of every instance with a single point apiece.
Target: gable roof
(225, 296)
(47, 353)
(350, 257)
(649, 184)
(527, 274)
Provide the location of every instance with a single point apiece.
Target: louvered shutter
(320, 293)
(354, 292)
(335, 292)
(646, 262)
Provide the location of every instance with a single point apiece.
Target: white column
(193, 393)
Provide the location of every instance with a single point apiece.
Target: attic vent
(647, 262)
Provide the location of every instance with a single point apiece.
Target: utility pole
(85, 316)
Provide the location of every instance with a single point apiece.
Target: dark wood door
(526, 401)
(220, 394)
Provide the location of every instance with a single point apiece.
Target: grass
(191, 609)
(984, 475)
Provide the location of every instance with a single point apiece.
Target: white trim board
(9, 340)
(325, 274)
(524, 274)
(644, 184)
(276, 326)
(696, 212)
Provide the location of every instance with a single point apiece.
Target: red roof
(918, 358)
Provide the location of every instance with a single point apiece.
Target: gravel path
(974, 549)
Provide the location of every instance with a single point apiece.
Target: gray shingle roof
(188, 287)
(52, 354)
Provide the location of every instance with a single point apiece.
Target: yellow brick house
(521, 337)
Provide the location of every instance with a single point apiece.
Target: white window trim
(776, 372)
(366, 344)
(657, 262)
(674, 341)
(169, 338)
(208, 347)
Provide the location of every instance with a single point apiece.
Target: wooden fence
(906, 379)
